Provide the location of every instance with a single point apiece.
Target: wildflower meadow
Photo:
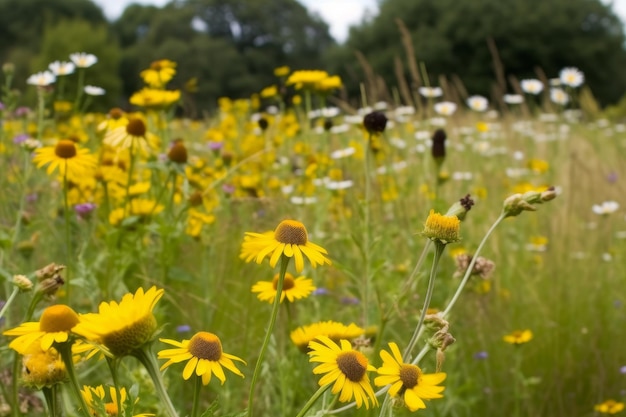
(295, 254)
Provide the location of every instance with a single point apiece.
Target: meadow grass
(559, 271)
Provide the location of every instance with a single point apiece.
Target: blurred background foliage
(232, 46)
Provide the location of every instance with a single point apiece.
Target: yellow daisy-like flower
(518, 337)
(609, 407)
(140, 207)
(151, 98)
(345, 368)
(281, 71)
(111, 408)
(66, 157)
(335, 331)
(124, 327)
(408, 380)
(329, 83)
(293, 288)
(42, 368)
(159, 73)
(204, 355)
(442, 228)
(290, 239)
(134, 136)
(306, 78)
(54, 326)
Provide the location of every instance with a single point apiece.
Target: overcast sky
(339, 14)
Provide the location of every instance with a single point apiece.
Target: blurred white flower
(558, 96)
(445, 108)
(531, 86)
(342, 153)
(41, 79)
(572, 77)
(92, 90)
(477, 103)
(605, 208)
(83, 59)
(431, 92)
(513, 99)
(61, 68)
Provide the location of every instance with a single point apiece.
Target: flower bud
(375, 122)
(22, 282)
(461, 207)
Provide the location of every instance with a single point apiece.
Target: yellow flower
(538, 165)
(142, 208)
(335, 331)
(124, 327)
(133, 136)
(151, 98)
(159, 73)
(42, 368)
(54, 326)
(67, 157)
(518, 337)
(269, 92)
(281, 71)
(293, 288)
(306, 78)
(345, 368)
(408, 380)
(329, 83)
(204, 355)
(112, 408)
(290, 239)
(442, 228)
(196, 220)
(609, 407)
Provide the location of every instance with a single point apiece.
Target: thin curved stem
(312, 400)
(439, 248)
(68, 240)
(50, 394)
(196, 396)
(8, 303)
(65, 349)
(148, 360)
(470, 267)
(284, 261)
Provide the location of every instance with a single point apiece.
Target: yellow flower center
(288, 282)
(111, 409)
(205, 345)
(65, 149)
(353, 364)
(136, 127)
(441, 227)
(291, 232)
(410, 375)
(124, 341)
(58, 318)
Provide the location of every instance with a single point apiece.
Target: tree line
(231, 47)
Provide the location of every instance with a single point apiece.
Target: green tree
(451, 37)
(231, 47)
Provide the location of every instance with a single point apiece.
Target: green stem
(366, 238)
(15, 406)
(50, 394)
(196, 396)
(65, 349)
(112, 363)
(439, 248)
(312, 400)
(68, 242)
(79, 92)
(470, 268)
(149, 362)
(6, 305)
(40, 109)
(284, 261)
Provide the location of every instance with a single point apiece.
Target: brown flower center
(353, 364)
(195, 199)
(58, 318)
(65, 149)
(410, 375)
(136, 127)
(178, 152)
(288, 282)
(291, 232)
(205, 345)
(116, 113)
